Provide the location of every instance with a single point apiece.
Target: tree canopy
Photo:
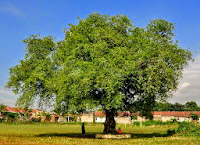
(103, 61)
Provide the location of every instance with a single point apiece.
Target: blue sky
(21, 18)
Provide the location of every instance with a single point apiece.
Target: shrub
(174, 120)
(11, 116)
(171, 132)
(48, 117)
(194, 116)
(154, 122)
(37, 120)
(136, 123)
(1, 120)
(188, 129)
(133, 117)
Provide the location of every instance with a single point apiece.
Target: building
(12, 112)
(170, 115)
(21, 114)
(100, 117)
(128, 118)
(34, 115)
(96, 116)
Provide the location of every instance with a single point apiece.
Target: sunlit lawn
(71, 134)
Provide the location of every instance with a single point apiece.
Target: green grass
(15, 134)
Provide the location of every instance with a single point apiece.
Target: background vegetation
(166, 106)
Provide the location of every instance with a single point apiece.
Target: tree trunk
(109, 125)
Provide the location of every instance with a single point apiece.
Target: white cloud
(184, 85)
(189, 87)
(7, 97)
(5, 92)
(11, 9)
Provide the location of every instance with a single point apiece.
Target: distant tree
(157, 106)
(178, 107)
(164, 106)
(103, 61)
(191, 106)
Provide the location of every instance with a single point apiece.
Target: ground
(70, 134)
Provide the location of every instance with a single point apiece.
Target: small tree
(194, 116)
(104, 61)
(2, 106)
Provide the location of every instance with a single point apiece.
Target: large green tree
(103, 61)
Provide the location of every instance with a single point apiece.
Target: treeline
(189, 106)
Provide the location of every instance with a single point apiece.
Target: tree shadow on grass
(92, 135)
(71, 135)
(151, 135)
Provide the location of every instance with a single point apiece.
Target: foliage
(11, 116)
(133, 117)
(2, 106)
(171, 131)
(166, 106)
(103, 61)
(154, 122)
(48, 116)
(194, 116)
(136, 123)
(1, 120)
(174, 120)
(191, 106)
(36, 120)
(188, 129)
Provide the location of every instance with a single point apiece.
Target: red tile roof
(21, 110)
(99, 113)
(161, 113)
(8, 109)
(33, 110)
(176, 113)
(16, 110)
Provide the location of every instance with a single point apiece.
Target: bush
(11, 117)
(171, 132)
(136, 123)
(174, 120)
(1, 120)
(37, 120)
(188, 129)
(194, 116)
(153, 122)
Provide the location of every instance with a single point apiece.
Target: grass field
(21, 134)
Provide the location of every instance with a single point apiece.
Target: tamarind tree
(103, 61)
